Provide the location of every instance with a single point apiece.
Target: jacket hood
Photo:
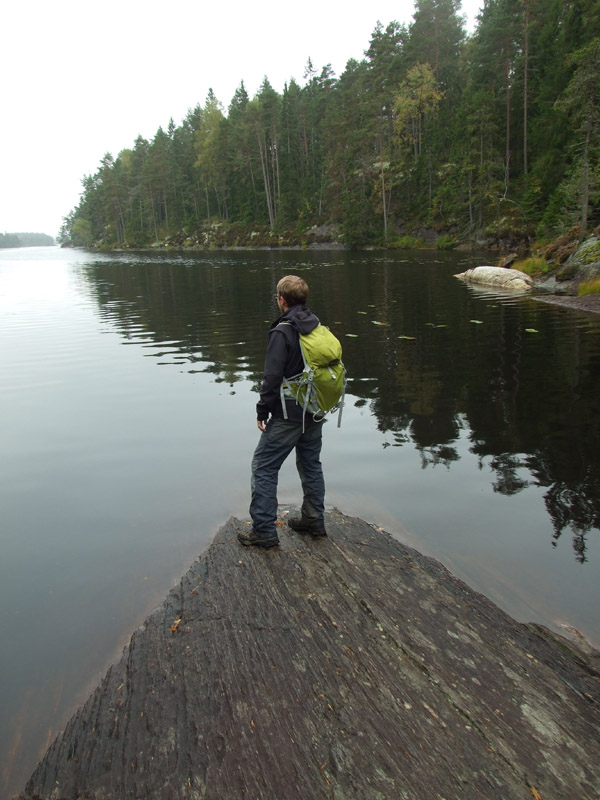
(301, 317)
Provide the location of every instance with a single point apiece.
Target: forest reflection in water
(428, 355)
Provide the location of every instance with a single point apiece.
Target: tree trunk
(275, 172)
(383, 197)
(430, 169)
(507, 153)
(526, 88)
(166, 208)
(437, 49)
(249, 157)
(586, 178)
(471, 199)
(321, 193)
(265, 172)
(153, 216)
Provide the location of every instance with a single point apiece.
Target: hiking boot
(250, 537)
(303, 525)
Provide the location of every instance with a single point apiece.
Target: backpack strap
(341, 404)
(285, 390)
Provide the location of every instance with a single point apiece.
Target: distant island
(26, 240)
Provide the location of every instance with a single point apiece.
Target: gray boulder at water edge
(497, 276)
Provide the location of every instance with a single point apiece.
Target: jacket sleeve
(275, 361)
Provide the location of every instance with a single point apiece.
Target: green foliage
(533, 266)
(589, 287)
(82, 233)
(446, 242)
(496, 134)
(406, 243)
(589, 252)
(419, 97)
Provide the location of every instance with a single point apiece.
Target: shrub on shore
(588, 287)
(533, 266)
(406, 243)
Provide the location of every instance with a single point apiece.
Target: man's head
(293, 289)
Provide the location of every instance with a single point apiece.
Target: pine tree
(582, 99)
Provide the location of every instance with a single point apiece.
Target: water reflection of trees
(524, 383)
(428, 371)
(193, 314)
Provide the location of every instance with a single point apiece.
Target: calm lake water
(471, 432)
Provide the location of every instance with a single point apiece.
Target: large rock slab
(346, 667)
(502, 278)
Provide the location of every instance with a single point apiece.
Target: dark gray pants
(274, 446)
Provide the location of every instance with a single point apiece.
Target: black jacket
(284, 359)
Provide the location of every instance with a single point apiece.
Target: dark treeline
(462, 137)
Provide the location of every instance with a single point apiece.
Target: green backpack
(321, 387)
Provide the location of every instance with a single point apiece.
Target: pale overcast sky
(80, 79)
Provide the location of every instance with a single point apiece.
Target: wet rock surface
(589, 303)
(345, 667)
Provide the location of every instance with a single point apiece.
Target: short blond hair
(293, 289)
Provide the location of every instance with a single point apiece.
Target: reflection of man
(279, 436)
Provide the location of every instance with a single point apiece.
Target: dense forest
(25, 240)
(434, 135)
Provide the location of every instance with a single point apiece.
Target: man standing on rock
(279, 436)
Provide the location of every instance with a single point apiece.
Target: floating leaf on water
(477, 321)
(412, 338)
(531, 330)
(352, 335)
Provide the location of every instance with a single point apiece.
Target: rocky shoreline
(347, 667)
(558, 272)
(563, 265)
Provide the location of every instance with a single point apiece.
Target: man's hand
(262, 425)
